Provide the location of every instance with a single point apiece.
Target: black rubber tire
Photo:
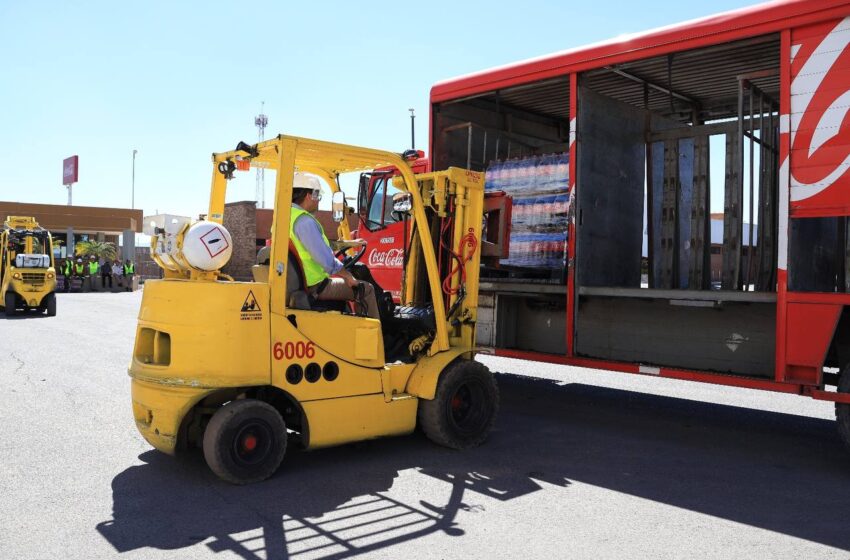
(50, 304)
(10, 302)
(464, 408)
(842, 411)
(226, 437)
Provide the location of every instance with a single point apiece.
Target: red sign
(71, 170)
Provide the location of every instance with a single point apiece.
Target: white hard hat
(306, 181)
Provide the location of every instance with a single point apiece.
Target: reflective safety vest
(313, 271)
(92, 268)
(129, 269)
(66, 268)
(78, 268)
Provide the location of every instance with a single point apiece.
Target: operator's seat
(297, 296)
(296, 281)
(260, 271)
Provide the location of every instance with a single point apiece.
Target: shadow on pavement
(779, 472)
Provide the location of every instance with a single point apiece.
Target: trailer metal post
(733, 215)
(749, 280)
(669, 216)
(700, 233)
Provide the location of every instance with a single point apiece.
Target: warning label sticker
(214, 242)
(251, 309)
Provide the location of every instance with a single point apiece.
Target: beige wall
(84, 219)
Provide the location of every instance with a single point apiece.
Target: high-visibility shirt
(129, 269)
(313, 271)
(93, 268)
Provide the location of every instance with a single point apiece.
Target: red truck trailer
(750, 106)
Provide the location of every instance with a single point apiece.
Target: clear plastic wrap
(539, 188)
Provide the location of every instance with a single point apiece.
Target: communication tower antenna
(260, 121)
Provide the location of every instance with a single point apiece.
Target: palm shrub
(102, 250)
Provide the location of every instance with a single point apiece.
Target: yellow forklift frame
(25, 288)
(202, 356)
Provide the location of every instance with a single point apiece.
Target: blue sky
(180, 80)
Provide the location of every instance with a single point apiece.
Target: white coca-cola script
(391, 258)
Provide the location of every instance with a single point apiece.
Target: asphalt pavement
(582, 464)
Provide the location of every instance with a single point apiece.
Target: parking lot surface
(582, 464)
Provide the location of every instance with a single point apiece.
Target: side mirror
(338, 206)
(402, 202)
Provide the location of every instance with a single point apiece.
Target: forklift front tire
(464, 408)
(50, 304)
(245, 441)
(10, 302)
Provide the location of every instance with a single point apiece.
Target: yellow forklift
(245, 369)
(27, 274)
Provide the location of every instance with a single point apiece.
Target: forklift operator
(325, 275)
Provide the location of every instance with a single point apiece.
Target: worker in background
(326, 278)
(118, 272)
(67, 269)
(129, 272)
(80, 272)
(106, 274)
(92, 271)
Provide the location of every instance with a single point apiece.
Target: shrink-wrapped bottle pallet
(539, 188)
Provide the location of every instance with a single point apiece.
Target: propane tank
(207, 246)
(180, 246)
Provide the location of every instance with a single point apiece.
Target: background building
(72, 224)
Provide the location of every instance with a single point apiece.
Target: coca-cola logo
(819, 107)
(391, 258)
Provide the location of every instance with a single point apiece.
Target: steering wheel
(350, 260)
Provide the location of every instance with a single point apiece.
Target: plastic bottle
(552, 253)
(528, 174)
(517, 215)
(519, 175)
(508, 175)
(536, 251)
(498, 175)
(562, 171)
(545, 250)
(517, 250)
(532, 173)
(525, 250)
(489, 174)
(531, 183)
(544, 213)
(549, 172)
(526, 212)
(540, 250)
(561, 249)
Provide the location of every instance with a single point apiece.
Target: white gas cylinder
(207, 245)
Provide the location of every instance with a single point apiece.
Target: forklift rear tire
(842, 410)
(50, 304)
(464, 408)
(245, 441)
(9, 302)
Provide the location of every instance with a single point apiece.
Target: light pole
(133, 184)
(412, 135)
